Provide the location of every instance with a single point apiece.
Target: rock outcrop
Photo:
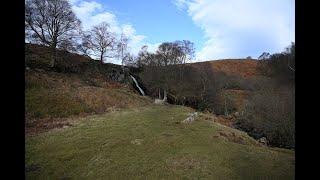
(191, 117)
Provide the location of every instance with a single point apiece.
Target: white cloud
(92, 13)
(152, 47)
(128, 30)
(181, 4)
(236, 27)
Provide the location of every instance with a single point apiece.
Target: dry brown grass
(41, 53)
(243, 68)
(52, 97)
(224, 121)
(236, 137)
(104, 100)
(238, 67)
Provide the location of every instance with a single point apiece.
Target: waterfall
(135, 81)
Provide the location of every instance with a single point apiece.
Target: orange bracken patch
(238, 67)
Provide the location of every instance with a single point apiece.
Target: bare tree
(188, 50)
(164, 67)
(281, 65)
(146, 58)
(51, 22)
(122, 46)
(100, 41)
(264, 56)
(129, 60)
(84, 47)
(291, 59)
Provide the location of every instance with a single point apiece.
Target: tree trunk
(122, 63)
(159, 94)
(122, 66)
(53, 55)
(101, 58)
(165, 96)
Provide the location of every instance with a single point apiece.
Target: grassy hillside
(151, 143)
(76, 86)
(50, 97)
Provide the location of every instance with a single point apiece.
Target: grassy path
(150, 143)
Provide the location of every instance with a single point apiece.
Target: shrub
(271, 114)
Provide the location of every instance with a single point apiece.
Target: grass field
(151, 143)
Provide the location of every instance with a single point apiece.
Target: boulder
(263, 141)
(159, 101)
(191, 117)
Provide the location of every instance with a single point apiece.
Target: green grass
(103, 147)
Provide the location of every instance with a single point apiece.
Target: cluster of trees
(270, 112)
(168, 53)
(54, 24)
(280, 65)
(164, 66)
(166, 71)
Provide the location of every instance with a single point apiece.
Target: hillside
(85, 120)
(242, 68)
(84, 87)
(52, 95)
(236, 67)
(242, 75)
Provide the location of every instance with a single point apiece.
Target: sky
(220, 29)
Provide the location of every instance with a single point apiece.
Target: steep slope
(50, 97)
(77, 86)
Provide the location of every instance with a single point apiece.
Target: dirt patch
(227, 121)
(32, 167)
(207, 116)
(167, 135)
(36, 126)
(234, 137)
(230, 136)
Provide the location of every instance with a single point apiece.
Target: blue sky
(219, 28)
(158, 20)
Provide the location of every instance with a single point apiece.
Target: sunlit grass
(151, 143)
